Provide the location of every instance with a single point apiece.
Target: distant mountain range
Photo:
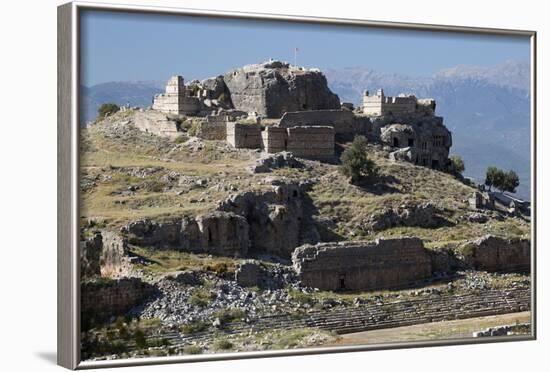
(486, 108)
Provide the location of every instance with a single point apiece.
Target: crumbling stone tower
(176, 100)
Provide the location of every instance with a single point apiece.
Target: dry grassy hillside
(128, 174)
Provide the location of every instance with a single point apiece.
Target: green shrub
(181, 139)
(229, 315)
(192, 349)
(222, 344)
(106, 109)
(139, 338)
(301, 297)
(467, 250)
(194, 327)
(158, 342)
(200, 297)
(457, 163)
(355, 162)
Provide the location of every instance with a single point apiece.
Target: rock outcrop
(422, 215)
(220, 233)
(273, 88)
(268, 162)
(104, 254)
(277, 219)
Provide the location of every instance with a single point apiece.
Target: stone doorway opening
(342, 281)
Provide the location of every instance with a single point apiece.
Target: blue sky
(126, 46)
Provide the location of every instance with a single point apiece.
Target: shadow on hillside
(380, 185)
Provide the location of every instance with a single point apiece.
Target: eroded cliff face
(274, 221)
(273, 88)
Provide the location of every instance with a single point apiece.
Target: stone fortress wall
(156, 122)
(214, 127)
(343, 121)
(307, 122)
(241, 135)
(362, 265)
(176, 100)
(311, 142)
(381, 105)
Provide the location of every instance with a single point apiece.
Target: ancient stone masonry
(492, 253)
(214, 127)
(381, 105)
(362, 265)
(481, 200)
(343, 122)
(244, 135)
(314, 142)
(104, 299)
(157, 123)
(310, 142)
(177, 99)
(273, 88)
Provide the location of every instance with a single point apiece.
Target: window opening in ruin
(342, 281)
(209, 236)
(411, 142)
(435, 163)
(286, 143)
(395, 142)
(295, 193)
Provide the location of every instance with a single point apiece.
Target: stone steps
(379, 316)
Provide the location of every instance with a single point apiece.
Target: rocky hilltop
(210, 228)
(273, 88)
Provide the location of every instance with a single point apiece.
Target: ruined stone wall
(362, 265)
(156, 123)
(314, 142)
(176, 99)
(244, 135)
(177, 104)
(274, 139)
(342, 121)
(214, 128)
(493, 253)
(380, 105)
(102, 299)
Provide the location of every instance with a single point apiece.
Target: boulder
(267, 162)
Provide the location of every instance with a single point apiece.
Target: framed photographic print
(237, 185)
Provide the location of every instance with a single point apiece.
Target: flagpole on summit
(295, 53)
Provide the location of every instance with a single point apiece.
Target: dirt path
(431, 331)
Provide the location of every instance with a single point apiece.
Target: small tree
(493, 177)
(458, 163)
(107, 109)
(355, 162)
(501, 180)
(510, 181)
